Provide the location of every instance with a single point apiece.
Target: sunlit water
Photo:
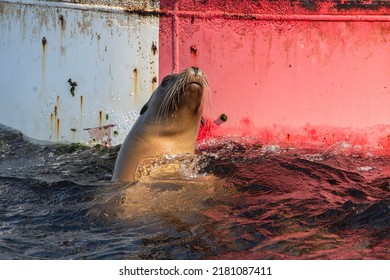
(247, 202)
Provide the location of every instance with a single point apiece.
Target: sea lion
(168, 123)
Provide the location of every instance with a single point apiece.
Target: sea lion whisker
(143, 137)
(172, 94)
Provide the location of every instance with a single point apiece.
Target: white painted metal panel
(109, 51)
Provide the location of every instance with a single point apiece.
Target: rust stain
(61, 19)
(362, 5)
(100, 118)
(56, 106)
(62, 22)
(135, 75)
(51, 122)
(154, 48)
(44, 45)
(54, 120)
(81, 103)
(85, 24)
(58, 129)
(194, 52)
(144, 12)
(154, 81)
(153, 65)
(313, 6)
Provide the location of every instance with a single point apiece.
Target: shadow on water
(247, 202)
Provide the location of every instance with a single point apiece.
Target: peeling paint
(73, 86)
(100, 135)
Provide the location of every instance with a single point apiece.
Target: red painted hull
(302, 73)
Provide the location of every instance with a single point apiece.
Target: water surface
(247, 202)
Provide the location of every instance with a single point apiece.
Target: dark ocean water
(247, 202)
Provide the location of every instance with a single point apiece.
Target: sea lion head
(168, 124)
(178, 98)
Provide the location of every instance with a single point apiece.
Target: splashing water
(247, 202)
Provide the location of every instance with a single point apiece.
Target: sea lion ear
(143, 110)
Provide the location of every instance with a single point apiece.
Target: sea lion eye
(143, 110)
(166, 81)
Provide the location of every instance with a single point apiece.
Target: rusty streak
(81, 103)
(100, 118)
(193, 50)
(62, 22)
(58, 129)
(135, 73)
(44, 43)
(154, 48)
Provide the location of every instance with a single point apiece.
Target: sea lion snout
(196, 70)
(196, 77)
(196, 83)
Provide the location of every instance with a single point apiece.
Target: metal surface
(300, 72)
(108, 53)
(290, 72)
